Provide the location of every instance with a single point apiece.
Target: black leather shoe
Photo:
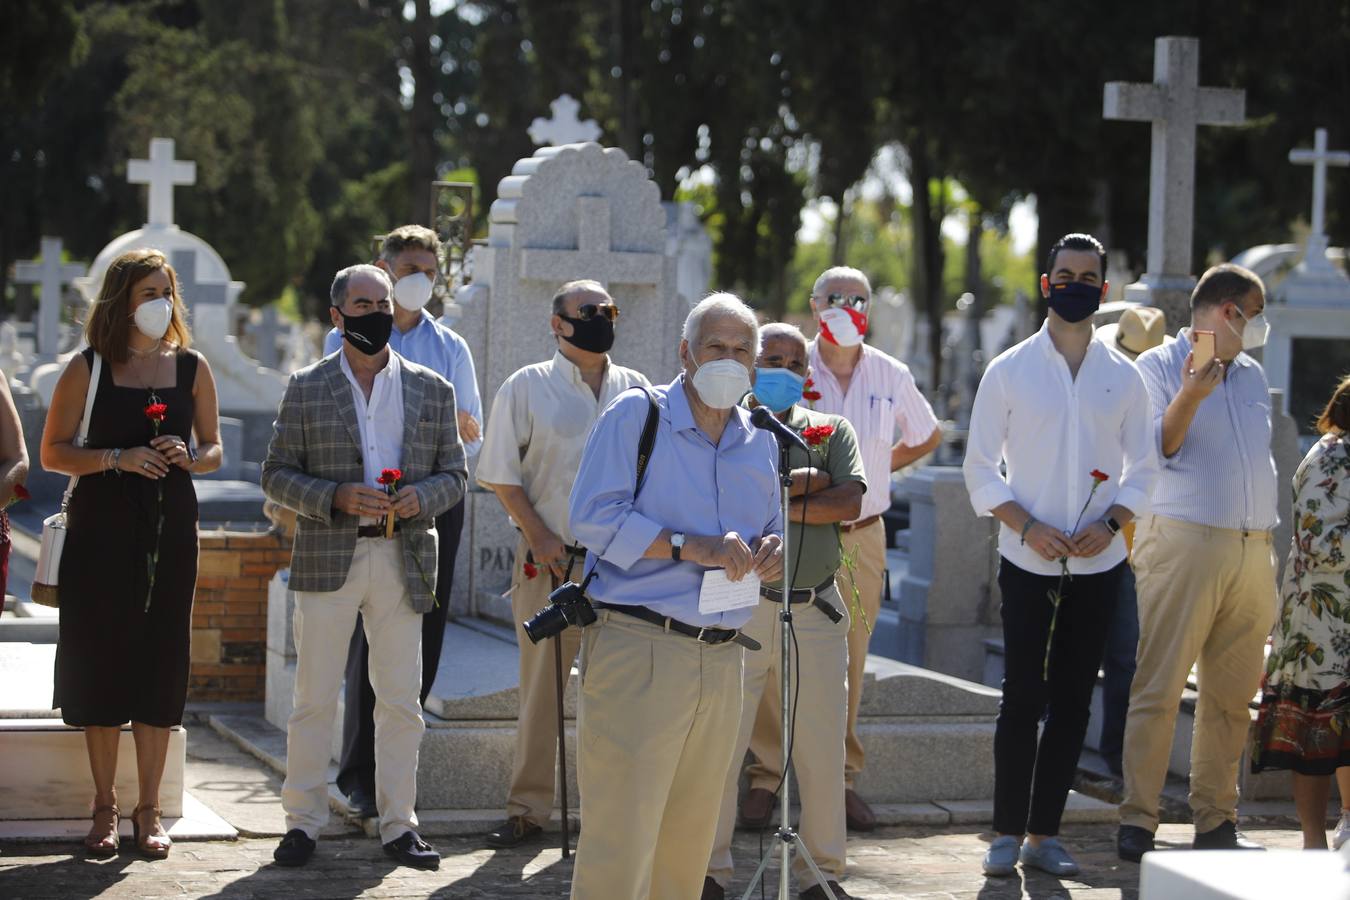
(1225, 837)
(816, 892)
(361, 803)
(712, 890)
(1132, 842)
(411, 850)
(515, 830)
(295, 849)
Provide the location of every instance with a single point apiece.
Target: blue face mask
(1074, 301)
(778, 388)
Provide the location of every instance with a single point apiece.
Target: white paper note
(719, 593)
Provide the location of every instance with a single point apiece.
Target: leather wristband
(1025, 528)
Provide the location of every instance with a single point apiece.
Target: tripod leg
(562, 746)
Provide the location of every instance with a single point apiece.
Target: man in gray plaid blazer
(343, 425)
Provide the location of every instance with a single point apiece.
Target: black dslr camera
(567, 605)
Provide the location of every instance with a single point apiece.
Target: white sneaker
(1342, 833)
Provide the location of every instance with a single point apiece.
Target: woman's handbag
(45, 588)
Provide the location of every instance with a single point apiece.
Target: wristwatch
(1112, 524)
(676, 545)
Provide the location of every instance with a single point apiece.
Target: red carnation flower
(817, 434)
(390, 476)
(1099, 476)
(531, 570)
(156, 412)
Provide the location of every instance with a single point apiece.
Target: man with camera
(828, 483)
(540, 420)
(661, 667)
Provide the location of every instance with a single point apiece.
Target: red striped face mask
(843, 326)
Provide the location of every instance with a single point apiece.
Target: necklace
(154, 349)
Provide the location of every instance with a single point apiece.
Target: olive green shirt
(815, 548)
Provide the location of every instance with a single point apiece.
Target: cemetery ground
(897, 862)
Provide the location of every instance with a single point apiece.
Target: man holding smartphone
(1204, 560)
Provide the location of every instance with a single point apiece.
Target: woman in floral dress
(1305, 706)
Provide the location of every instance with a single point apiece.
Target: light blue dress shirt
(1224, 474)
(431, 344)
(690, 486)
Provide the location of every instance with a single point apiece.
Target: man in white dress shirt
(877, 395)
(1071, 421)
(540, 420)
(1205, 561)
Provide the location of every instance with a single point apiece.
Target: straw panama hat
(1140, 328)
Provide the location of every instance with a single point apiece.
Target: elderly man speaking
(661, 668)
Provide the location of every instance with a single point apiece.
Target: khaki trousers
(656, 731)
(323, 628)
(867, 546)
(820, 667)
(536, 762)
(1206, 594)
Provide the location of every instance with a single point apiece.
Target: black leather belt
(375, 530)
(702, 635)
(806, 595)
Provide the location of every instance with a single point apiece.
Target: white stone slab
(26, 679)
(1079, 810)
(46, 771)
(198, 823)
(1243, 875)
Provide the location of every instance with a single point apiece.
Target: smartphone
(1202, 343)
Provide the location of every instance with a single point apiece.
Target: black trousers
(1033, 774)
(357, 766)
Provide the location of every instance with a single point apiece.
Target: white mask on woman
(153, 316)
(412, 292)
(721, 383)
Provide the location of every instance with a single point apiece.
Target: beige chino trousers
(656, 730)
(535, 768)
(375, 588)
(1205, 594)
(820, 668)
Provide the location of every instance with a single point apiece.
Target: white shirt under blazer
(1050, 431)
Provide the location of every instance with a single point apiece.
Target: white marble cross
(50, 275)
(1176, 105)
(565, 127)
(1319, 158)
(161, 172)
(593, 257)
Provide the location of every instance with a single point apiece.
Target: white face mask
(152, 317)
(1256, 333)
(720, 383)
(412, 292)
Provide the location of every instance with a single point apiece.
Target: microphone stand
(788, 838)
(562, 728)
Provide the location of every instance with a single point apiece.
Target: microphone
(760, 417)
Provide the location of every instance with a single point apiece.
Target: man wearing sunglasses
(540, 420)
(410, 255)
(877, 395)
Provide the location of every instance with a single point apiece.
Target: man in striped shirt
(877, 395)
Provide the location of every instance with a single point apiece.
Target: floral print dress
(1304, 723)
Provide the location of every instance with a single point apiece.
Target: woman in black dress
(129, 566)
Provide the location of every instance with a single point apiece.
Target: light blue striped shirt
(1224, 474)
(691, 486)
(431, 344)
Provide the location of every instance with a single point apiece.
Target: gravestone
(265, 332)
(579, 211)
(1309, 307)
(51, 276)
(688, 243)
(1176, 106)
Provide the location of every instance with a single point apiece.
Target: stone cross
(161, 172)
(565, 127)
(184, 263)
(1319, 158)
(51, 275)
(593, 257)
(1176, 105)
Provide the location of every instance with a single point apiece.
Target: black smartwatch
(676, 545)
(1112, 524)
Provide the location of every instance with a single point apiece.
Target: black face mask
(1074, 301)
(594, 335)
(368, 333)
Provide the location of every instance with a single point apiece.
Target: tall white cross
(593, 257)
(50, 275)
(1176, 105)
(1319, 157)
(161, 172)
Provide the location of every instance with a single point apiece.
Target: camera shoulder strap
(648, 439)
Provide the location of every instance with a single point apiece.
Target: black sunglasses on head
(589, 311)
